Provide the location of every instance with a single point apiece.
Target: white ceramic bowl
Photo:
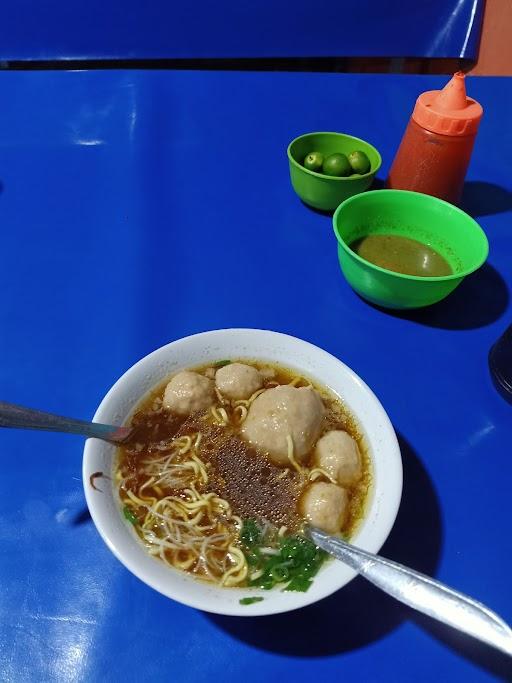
(118, 404)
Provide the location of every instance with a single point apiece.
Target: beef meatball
(189, 392)
(337, 453)
(281, 412)
(238, 381)
(325, 506)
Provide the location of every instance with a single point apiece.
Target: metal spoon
(421, 592)
(25, 418)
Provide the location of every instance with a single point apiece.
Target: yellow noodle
(247, 402)
(243, 413)
(238, 572)
(220, 416)
(186, 564)
(220, 397)
(147, 499)
(187, 445)
(174, 528)
(255, 395)
(318, 472)
(202, 473)
(134, 498)
(147, 483)
(291, 457)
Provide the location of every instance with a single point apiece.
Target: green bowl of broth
(401, 249)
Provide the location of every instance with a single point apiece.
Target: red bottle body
(431, 163)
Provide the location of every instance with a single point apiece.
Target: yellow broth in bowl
(401, 255)
(228, 462)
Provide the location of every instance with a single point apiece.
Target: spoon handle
(421, 592)
(20, 417)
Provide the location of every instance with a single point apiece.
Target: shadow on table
(478, 198)
(484, 199)
(483, 656)
(320, 212)
(479, 300)
(378, 184)
(81, 517)
(364, 613)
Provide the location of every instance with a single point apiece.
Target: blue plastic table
(131, 29)
(139, 207)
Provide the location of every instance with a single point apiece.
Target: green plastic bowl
(444, 227)
(322, 191)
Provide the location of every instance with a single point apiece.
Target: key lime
(336, 165)
(359, 162)
(313, 161)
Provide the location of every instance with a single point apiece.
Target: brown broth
(401, 255)
(247, 479)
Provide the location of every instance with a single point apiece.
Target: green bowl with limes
(324, 191)
(449, 231)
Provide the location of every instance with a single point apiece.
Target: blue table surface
(139, 207)
(131, 29)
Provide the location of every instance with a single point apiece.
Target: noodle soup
(228, 462)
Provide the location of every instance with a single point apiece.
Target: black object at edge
(500, 364)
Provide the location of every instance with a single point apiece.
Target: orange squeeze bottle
(435, 151)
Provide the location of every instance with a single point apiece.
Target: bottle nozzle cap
(453, 96)
(448, 111)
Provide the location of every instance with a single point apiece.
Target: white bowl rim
(125, 545)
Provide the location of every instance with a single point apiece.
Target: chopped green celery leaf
(317, 560)
(221, 363)
(253, 557)
(296, 547)
(250, 601)
(263, 582)
(265, 576)
(310, 570)
(130, 516)
(251, 533)
(288, 545)
(271, 561)
(309, 554)
(299, 584)
(297, 561)
(280, 573)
